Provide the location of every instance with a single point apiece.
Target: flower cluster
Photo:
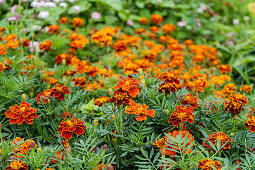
(222, 137)
(209, 164)
(182, 114)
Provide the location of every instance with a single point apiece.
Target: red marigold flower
(19, 114)
(101, 100)
(143, 20)
(209, 164)
(69, 73)
(222, 137)
(129, 85)
(53, 29)
(45, 45)
(162, 143)
(139, 110)
(189, 100)
(59, 92)
(43, 97)
(233, 107)
(250, 123)
(63, 20)
(171, 82)
(246, 88)
(59, 59)
(16, 165)
(240, 98)
(22, 148)
(225, 69)
(66, 129)
(77, 22)
(157, 19)
(79, 81)
(182, 114)
(119, 97)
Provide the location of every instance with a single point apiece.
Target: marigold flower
(143, 20)
(155, 18)
(66, 115)
(92, 71)
(62, 57)
(168, 87)
(250, 123)
(222, 137)
(45, 45)
(239, 98)
(59, 92)
(22, 147)
(162, 143)
(79, 81)
(50, 80)
(171, 82)
(69, 73)
(2, 67)
(10, 37)
(59, 155)
(119, 97)
(139, 110)
(101, 100)
(129, 85)
(140, 31)
(189, 100)
(53, 29)
(19, 114)
(168, 28)
(233, 107)
(67, 129)
(208, 164)
(182, 114)
(225, 69)
(199, 84)
(13, 44)
(246, 88)
(63, 20)
(77, 22)
(103, 36)
(16, 165)
(43, 97)
(25, 42)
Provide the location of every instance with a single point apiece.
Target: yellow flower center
(22, 109)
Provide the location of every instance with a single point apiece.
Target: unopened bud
(110, 91)
(65, 143)
(95, 122)
(40, 149)
(75, 114)
(49, 100)
(31, 93)
(64, 62)
(167, 111)
(48, 87)
(68, 149)
(140, 71)
(113, 116)
(163, 152)
(24, 97)
(64, 79)
(33, 36)
(143, 82)
(11, 157)
(105, 147)
(1, 126)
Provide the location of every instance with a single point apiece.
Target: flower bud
(65, 143)
(143, 82)
(167, 111)
(11, 157)
(40, 149)
(32, 145)
(95, 122)
(68, 149)
(110, 167)
(64, 62)
(33, 36)
(105, 147)
(49, 100)
(31, 94)
(113, 116)
(162, 152)
(110, 91)
(1, 126)
(24, 97)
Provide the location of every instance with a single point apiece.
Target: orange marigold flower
(171, 82)
(10, 37)
(77, 22)
(139, 110)
(103, 37)
(199, 84)
(2, 67)
(43, 97)
(233, 107)
(188, 42)
(157, 19)
(229, 89)
(92, 71)
(143, 20)
(69, 73)
(225, 69)
(45, 45)
(25, 42)
(59, 155)
(168, 87)
(59, 59)
(79, 43)
(16, 165)
(246, 88)
(129, 85)
(19, 114)
(222, 137)
(65, 115)
(250, 123)
(53, 29)
(239, 98)
(63, 20)
(21, 148)
(189, 100)
(168, 28)
(79, 81)
(208, 164)
(140, 31)
(163, 143)
(59, 92)
(119, 97)
(101, 100)
(66, 129)
(169, 77)
(182, 114)
(13, 44)
(50, 80)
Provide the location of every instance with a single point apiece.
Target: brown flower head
(59, 92)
